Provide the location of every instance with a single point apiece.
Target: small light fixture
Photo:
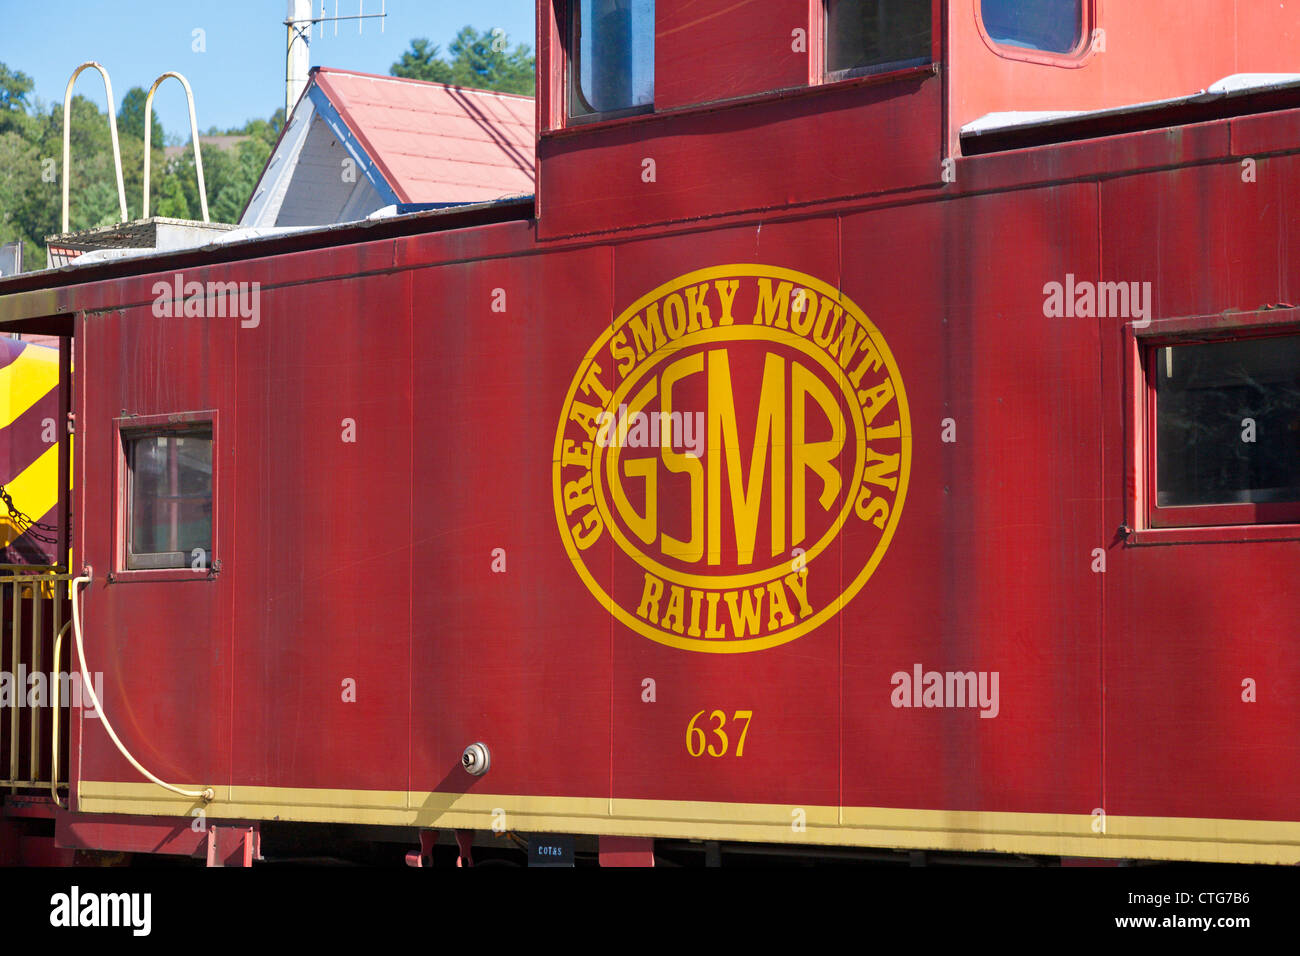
(476, 759)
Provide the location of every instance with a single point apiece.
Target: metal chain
(25, 523)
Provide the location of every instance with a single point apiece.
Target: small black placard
(550, 849)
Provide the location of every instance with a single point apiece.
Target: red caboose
(881, 429)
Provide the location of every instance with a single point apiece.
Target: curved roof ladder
(112, 128)
(194, 133)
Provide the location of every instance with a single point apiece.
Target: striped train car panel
(877, 432)
(29, 410)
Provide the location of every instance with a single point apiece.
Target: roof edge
(515, 209)
(335, 71)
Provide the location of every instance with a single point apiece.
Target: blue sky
(241, 74)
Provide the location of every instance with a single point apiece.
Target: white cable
(206, 794)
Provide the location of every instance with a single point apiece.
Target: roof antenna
(299, 23)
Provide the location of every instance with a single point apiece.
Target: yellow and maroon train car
(29, 454)
(880, 430)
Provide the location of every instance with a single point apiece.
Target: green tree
(167, 198)
(482, 61)
(14, 88)
(19, 162)
(266, 130)
(478, 60)
(130, 117)
(422, 62)
(229, 197)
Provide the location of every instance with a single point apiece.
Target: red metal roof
(434, 142)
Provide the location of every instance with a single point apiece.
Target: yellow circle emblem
(732, 458)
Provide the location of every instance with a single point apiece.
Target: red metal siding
(792, 744)
(1154, 50)
(517, 658)
(1187, 623)
(839, 141)
(150, 633)
(991, 568)
(706, 51)
(330, 554)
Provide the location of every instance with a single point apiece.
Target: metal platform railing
(112, 129)
(35, 679)
(194, 136)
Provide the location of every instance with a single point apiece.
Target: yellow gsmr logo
(732, 459)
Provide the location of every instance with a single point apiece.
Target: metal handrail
(54, 720)
(194, 134)
(112, 128)
(36, 586)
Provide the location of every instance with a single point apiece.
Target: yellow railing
(34, 671)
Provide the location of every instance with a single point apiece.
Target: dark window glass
(1053, 26)
(1228, 422)
(874, 36)
(170, 480)
(612, 58)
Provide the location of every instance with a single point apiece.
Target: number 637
(697, 742)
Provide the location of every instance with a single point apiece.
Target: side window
(611, 57)
(876, 36)
(168, 498)
(1227, 431)
(1049, 26)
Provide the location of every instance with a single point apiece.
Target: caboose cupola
(651, 113)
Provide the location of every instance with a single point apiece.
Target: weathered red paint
(130, 834)
(627, 851)
(745, 54)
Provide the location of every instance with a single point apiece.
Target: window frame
(130, 428)
(1071, 60)
(1184, 524)
(573, 72)
(819, 41)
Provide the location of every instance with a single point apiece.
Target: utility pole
(298, 26)
(298, 59)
